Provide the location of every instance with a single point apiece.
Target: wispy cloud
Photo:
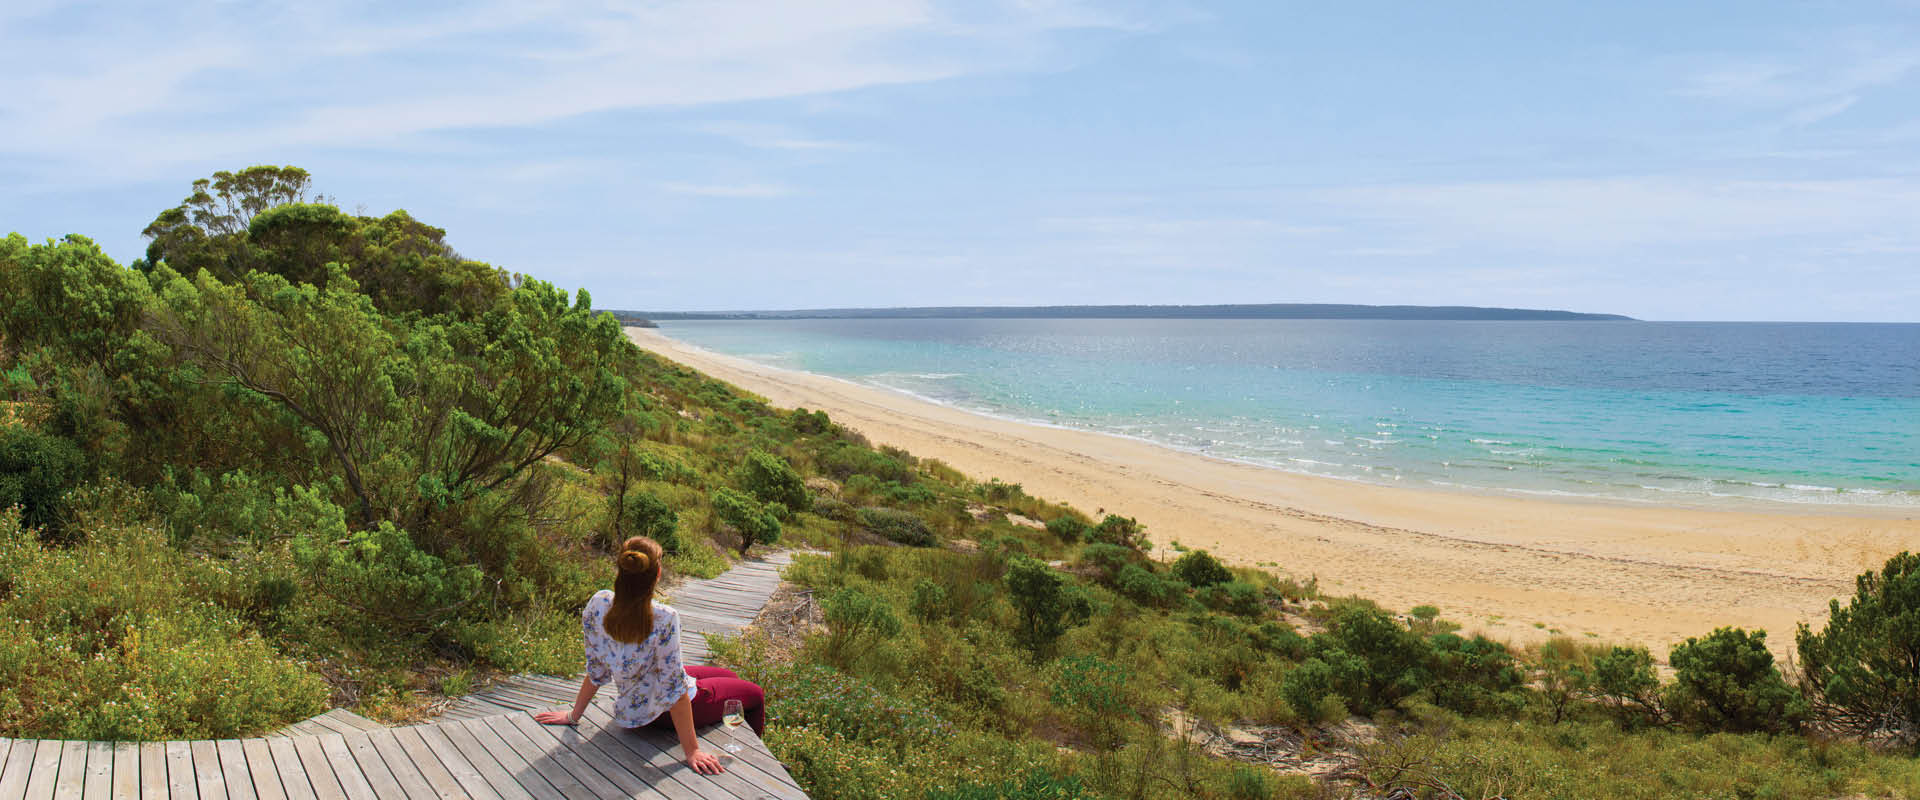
(96, 84)
(728, 189)
(1807, 85)
(769, 136)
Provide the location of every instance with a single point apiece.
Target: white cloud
(728, 189)
(117, 88)
(1808, 85)
(769, 136)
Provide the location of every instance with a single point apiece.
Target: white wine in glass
(734, 714)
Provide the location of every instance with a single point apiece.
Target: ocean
(1785, 415)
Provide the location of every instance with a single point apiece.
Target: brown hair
(630, 619)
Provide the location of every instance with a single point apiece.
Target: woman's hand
(704, 763)
(555, 718)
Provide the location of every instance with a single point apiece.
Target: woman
(635, 643)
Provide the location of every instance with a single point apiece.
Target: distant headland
(1230, 311)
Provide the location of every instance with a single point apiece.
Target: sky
(1700, 161)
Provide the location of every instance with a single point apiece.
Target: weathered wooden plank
(754, 759)
(18, 766)
(208, 777)
(70, 777)
(293, 774)
(153, 771)
(535, 759)
(665, 756)
(266, 775)
(576, 748)
(180, 782)
(345, 769)
(374, 766)
(313, 761)
(44, 769)
(440, 780)
(602, 740)
(556, 752)
(413, 782)
(126, 772)
(487, 753)
(355, 720)
(233, 767)
(330, 724)
(99, 776)
(483, 778)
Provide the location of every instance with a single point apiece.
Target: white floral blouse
(649, 674)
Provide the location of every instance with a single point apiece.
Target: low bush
(1070, 530)
(1200, 570)
(36, 472)
(903, 527)
(1727, 682)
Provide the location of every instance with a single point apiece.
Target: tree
(1200, 570)
(1863, 670)
(1375, 663)
(1624, 682)
(756, 524)
(1047, 606)
(1727, 682)
(770, 479)
(207, 230)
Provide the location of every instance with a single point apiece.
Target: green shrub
(1109, 558)
(859, 621)
(1147, 588)
(1200, 570)
(770, 479)
(1727, 682)
(1070, 530)
(1047, 605)
(1234, 597)
(1862, 668)
(36, 472)
(1376, 663)
(852, 709)
(381, 573)
(1309, 687)
(903, 527)
(1623, 681)
(809, 422)
(755, 523)
(1035, 786)
(1094, 691)
(929, 600)
(1123, 531)
(1474, 676)
(643, 513)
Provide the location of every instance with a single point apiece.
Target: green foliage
(1110, 559)
(1727, 682)
(1862, 668)
(110, 638)
(380, 572)
(1047, 606)
(755, 523)
(1123, 531)
(1623, 681)
(1309, 687)
(643, 513)
(1035, 786)
(1234, 597)
(771, 479)
(1200, 570)
(1070, 530)
(903, 527)
(36, 472)
(929, 601)
(1376, 663)
(1135, 583)
(810, 423)
(1474, 676)
(860, 622)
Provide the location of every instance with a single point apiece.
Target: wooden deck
(501, 754)
(720, 605)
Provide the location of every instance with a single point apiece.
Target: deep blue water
(1694, 413)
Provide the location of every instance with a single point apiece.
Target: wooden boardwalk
(722, 605)
(499, 755)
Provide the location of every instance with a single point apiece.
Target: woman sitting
(636, 644)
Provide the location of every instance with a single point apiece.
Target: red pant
(717, 685)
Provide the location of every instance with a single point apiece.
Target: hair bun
(634, 561)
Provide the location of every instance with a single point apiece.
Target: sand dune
(1514, 568)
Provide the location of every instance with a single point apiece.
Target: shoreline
(1515, 568)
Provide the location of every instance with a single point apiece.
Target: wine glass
(734, 714)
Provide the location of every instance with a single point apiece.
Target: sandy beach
(1517, 569)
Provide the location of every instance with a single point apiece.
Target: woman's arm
(703, 763)
(580, 701)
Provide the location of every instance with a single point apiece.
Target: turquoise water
(1675, 413)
